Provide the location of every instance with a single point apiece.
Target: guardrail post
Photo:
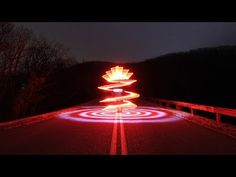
(218, 118)
(193, 111)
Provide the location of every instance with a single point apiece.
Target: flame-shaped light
(119, 77)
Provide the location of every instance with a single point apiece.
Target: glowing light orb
(119, 77)
(95, 114)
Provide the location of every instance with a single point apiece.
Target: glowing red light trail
(121, 111)
(142, 114)
(119, 77)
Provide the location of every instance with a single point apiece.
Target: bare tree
(26, 63)
(14, 43)
(43, 58)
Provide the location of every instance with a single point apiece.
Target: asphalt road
(62, 136)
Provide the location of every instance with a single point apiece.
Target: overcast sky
(133, 41)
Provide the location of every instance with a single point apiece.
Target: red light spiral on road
(119, 78)
(143, 114)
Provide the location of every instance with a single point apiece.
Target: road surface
(67, 136)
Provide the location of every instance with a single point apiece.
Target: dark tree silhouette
(26, 63)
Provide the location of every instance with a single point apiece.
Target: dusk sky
(133, 41)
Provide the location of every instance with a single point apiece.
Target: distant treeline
(204, 76)
(38, 76)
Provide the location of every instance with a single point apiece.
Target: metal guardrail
(218, 111)
(33, 119)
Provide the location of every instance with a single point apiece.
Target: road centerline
(114, 139)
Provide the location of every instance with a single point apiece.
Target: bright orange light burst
(119, 77)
